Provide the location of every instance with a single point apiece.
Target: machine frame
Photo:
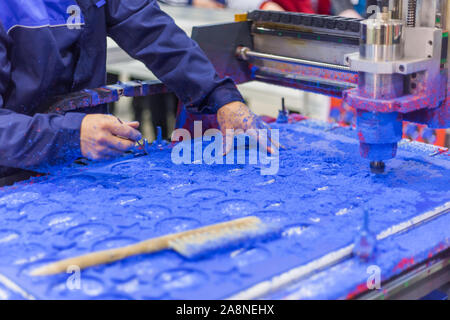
(391, 68)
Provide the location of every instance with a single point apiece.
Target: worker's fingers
(119, 144)
(105, 153)
(91, 155)
(261, 136)
(264, 125)
(124, 131)
(262, 132)
(263, 144)
(228, 141)
(266, 132)
(262, 140)
(133, 124)
(108, 153)
(275, 144)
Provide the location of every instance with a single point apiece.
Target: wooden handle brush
(189, 243)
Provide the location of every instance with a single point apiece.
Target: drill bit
(377, 167)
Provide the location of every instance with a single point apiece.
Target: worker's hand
(105, 136)
(272, 6)
(237, 116)
(210, 4)
(350, 13)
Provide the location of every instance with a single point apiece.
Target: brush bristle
(205, 242)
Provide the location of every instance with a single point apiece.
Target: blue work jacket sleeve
(148, 34)
(27, 142)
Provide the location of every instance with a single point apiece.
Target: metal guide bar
(246, 52)
(301, 83)
(263, 288)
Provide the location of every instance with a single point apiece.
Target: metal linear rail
(264, 288)
(245, 53)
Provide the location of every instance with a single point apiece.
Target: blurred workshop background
(263, 99)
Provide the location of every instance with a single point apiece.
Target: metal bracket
(422, 51)
(404, 66)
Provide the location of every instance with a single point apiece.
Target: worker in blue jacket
(53, 47)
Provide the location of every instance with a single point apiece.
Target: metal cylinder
(381, 40)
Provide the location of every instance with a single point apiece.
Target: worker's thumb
(228, 140)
